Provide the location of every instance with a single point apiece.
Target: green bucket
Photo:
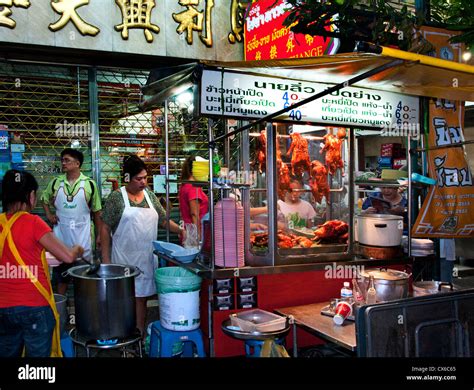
(178, 293)
(176, 279)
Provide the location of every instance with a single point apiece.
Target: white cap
(346, 284)
(338, 319)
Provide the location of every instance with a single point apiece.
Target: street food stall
(293, 131)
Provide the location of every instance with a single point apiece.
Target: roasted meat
(333, 148)
(283, 174)
(319, 181)
(260, 152)
(334, 231)
(285, 240)
(260, 239)
(299, 154)
(304, 242)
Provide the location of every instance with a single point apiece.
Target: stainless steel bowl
(237, 333)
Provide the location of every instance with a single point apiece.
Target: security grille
(46, 107)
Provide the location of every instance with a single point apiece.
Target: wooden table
(309, 317)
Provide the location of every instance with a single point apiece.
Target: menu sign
(252, 97)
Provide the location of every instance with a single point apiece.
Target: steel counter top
(309, 317)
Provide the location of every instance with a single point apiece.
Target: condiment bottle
(357, 293)
(371, 292)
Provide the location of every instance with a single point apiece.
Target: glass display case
(298, 208)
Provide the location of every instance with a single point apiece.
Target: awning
(418, 75)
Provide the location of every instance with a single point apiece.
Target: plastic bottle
(357, 293)
(371, 292)
(346, 291)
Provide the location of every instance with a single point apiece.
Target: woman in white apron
(131, 216)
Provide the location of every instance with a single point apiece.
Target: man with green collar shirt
(74, 196)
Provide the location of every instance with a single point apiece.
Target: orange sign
(448, 210)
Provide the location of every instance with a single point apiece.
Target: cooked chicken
(331, 232)
(299, 154)
(261, 150)
(319, 181)
(333, 148)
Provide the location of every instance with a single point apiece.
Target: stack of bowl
(419, 247)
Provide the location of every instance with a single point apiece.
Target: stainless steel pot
(389, 284)
(104, 302)
(379, 229)
(61, 307)
(431, 287)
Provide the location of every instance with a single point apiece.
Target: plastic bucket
(61, 307)
(178, 294)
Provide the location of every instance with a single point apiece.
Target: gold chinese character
(237, 20)
(290, 45)
(5, 12)
(258, 55)
(192, 20)
(309, 39)
(273, 52)
(67, 10)
(137, 14)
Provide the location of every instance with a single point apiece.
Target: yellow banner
(448, 210)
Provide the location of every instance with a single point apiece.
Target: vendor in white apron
(130, 220)
(74, 197)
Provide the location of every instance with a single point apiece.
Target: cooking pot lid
(389, 274)
(380, 217)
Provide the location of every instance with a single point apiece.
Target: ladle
(93, 267)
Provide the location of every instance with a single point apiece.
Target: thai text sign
(250, 96)
(191, 28)
(448, 209)
(267, 38)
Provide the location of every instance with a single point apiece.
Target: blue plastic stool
(254, 347)
(162, 341)
(67, 346)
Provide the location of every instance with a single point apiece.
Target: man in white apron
(74, 197)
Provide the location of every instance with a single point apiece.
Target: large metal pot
(390, 284)
(379, 229)
(431, 287)
(104, 302)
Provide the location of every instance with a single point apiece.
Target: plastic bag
(192, 236)
(271, 349)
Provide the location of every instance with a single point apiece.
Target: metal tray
(234, 332)
(329, 248)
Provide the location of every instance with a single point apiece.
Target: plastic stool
(253, 348)
(167, 338)
(67, 346)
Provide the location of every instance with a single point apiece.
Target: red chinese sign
(266, 38)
